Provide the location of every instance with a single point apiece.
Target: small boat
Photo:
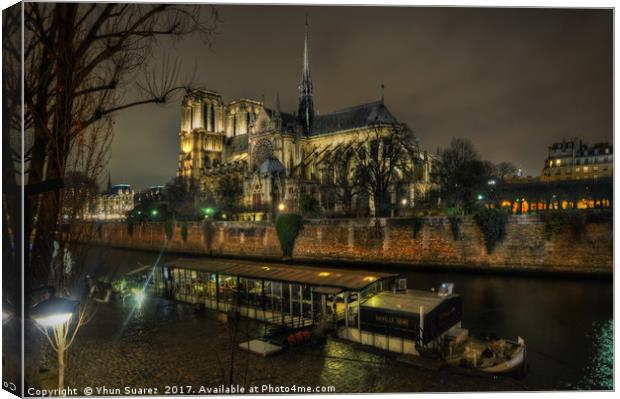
(490, 355)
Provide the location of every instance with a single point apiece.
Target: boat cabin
(296, 296)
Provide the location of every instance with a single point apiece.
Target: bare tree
(385, 160)
(62, 336)
(82, 64)
(504, 170)
(339, 180)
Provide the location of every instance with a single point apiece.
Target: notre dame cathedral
(278, 156)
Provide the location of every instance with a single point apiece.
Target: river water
(567, 322)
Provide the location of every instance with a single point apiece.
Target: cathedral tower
(201, 138)
(305, 113)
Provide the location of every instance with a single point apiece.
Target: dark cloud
(512, 80)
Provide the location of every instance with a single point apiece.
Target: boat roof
(407, 302)
(329, 280)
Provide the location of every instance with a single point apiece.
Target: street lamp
(281, 206)
(404, 201)
(208, 211)
(55, 314)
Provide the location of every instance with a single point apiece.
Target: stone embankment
(395, 241)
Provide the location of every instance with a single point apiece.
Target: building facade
(574, 160)
(112, 204)
(276, 156)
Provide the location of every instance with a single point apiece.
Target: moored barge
(369, 308)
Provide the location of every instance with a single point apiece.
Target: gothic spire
(305, 114)
(306, 71)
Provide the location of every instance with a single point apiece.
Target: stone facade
(574, 160)
(385, 241)
(277, 156)
(112, 204)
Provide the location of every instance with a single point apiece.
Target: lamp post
(55, 314)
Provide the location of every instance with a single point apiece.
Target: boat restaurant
(392, 317)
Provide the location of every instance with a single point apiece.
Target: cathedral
(275, 156)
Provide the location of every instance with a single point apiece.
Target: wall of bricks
(383, 241)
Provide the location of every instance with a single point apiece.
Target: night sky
(511, 80)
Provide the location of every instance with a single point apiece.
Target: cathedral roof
(270, 166)
(351, 118)
(287, 119)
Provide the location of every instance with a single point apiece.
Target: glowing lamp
(281, 206)
(154, 212)
(404, 201)
(53, 312)
(139, 296)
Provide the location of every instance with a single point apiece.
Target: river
(567, 322)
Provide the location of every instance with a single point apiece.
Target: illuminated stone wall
(384, 241)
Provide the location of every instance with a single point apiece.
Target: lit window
(577, 169)
(558, 162)
(585, 168)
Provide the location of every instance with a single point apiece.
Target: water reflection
(567, 323)
(599, 374)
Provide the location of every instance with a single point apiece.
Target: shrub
(455, 226)
(418, 223)
(308, 203)
(492, 222)
(567, 220)
(207, 233)
(130, 227)
(184, 231)
(169, 228)
(288, 227)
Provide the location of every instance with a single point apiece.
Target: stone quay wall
(381, 241)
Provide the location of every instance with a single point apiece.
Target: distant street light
(55, 314)
(281, 206)
(154, 212)
(404, 201)
(480, 197)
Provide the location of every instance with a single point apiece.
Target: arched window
(212, 118)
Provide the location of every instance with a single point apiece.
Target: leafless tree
(83, 63)
(384, 161)
(504, 170)
(340, 181)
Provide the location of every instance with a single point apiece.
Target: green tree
(461, 174)
(308, 203)
(183, 198)
(229, 191)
